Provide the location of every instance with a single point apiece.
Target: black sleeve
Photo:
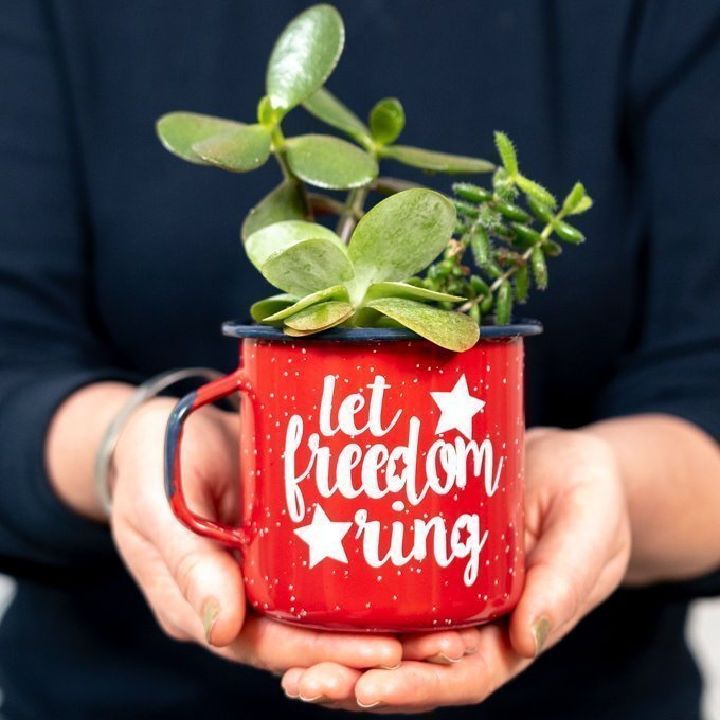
(48, 347)
(674, 126)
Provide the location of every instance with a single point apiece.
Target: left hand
(577, 551)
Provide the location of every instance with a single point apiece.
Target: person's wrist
(145, 425)
(68, 452)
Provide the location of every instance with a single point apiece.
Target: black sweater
(118, 261)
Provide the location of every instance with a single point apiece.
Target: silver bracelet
(146, 390)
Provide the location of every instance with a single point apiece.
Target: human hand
(577, 550)
(194, 586)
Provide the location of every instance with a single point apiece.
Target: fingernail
(368, 705)
(390, 667)
(292, 696)
(471, 650)
(440, 658)
(210, 612)
(541, 630)
(317, 698)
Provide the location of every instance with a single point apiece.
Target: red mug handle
(236, 537)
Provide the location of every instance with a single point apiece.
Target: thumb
(206, 573)
(199, 590)
(209, 579)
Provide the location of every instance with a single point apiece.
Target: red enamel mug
(380, 476)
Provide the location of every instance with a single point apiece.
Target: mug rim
(232, 328)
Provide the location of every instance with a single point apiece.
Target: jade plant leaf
(434, 161)
(328, 162)
(278, 237)
(320, 317)
(308, 266)
(297, 333)
(387, 120)
(304, 55)
(409, 292)
(400, 236)
(446, 328)
(385, 322)
(179, 131)
(284, 202)
(335, 292)
(326, 107)
(240, 150)
(263, 309)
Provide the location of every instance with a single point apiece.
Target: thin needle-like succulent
(366, 271)
(509, 229)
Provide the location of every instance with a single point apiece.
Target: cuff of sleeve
(36, 524)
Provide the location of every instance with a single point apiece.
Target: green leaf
(284, 202)
(539, 268)
(583, 206)
(280, 236)
(522, 282)
(387, 120)
(480, 246)
(550, 248)
(326, 107)
(539, 210)
(267, 115)
(503, 306)
(400, 236)
(263, 309)
(335, 292)
(434, 161)
(536, 191)
(525, 235)
(409, 292)
(384, 321)
(508, 154)
(297, 333)
(179, 131)
(568, 233)
(511, 211)
(446, 328)
(308, 266)
(479, 286)
(304, 55)
(573, 198)
(320, 317)
(577, 201)
(240, 150)
(504, 185)
(328, 162)
(471, 193)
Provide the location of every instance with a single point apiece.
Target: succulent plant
(365, 273)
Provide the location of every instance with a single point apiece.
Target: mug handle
(236, 537)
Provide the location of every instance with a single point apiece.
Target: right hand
(193, 585)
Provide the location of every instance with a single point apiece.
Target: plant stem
(278, 148)
(390, 185)
(325, 205)
(352, 212)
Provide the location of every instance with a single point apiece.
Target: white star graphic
(324, 537)
(457, 408)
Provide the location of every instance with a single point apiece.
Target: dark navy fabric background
(118, 260)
